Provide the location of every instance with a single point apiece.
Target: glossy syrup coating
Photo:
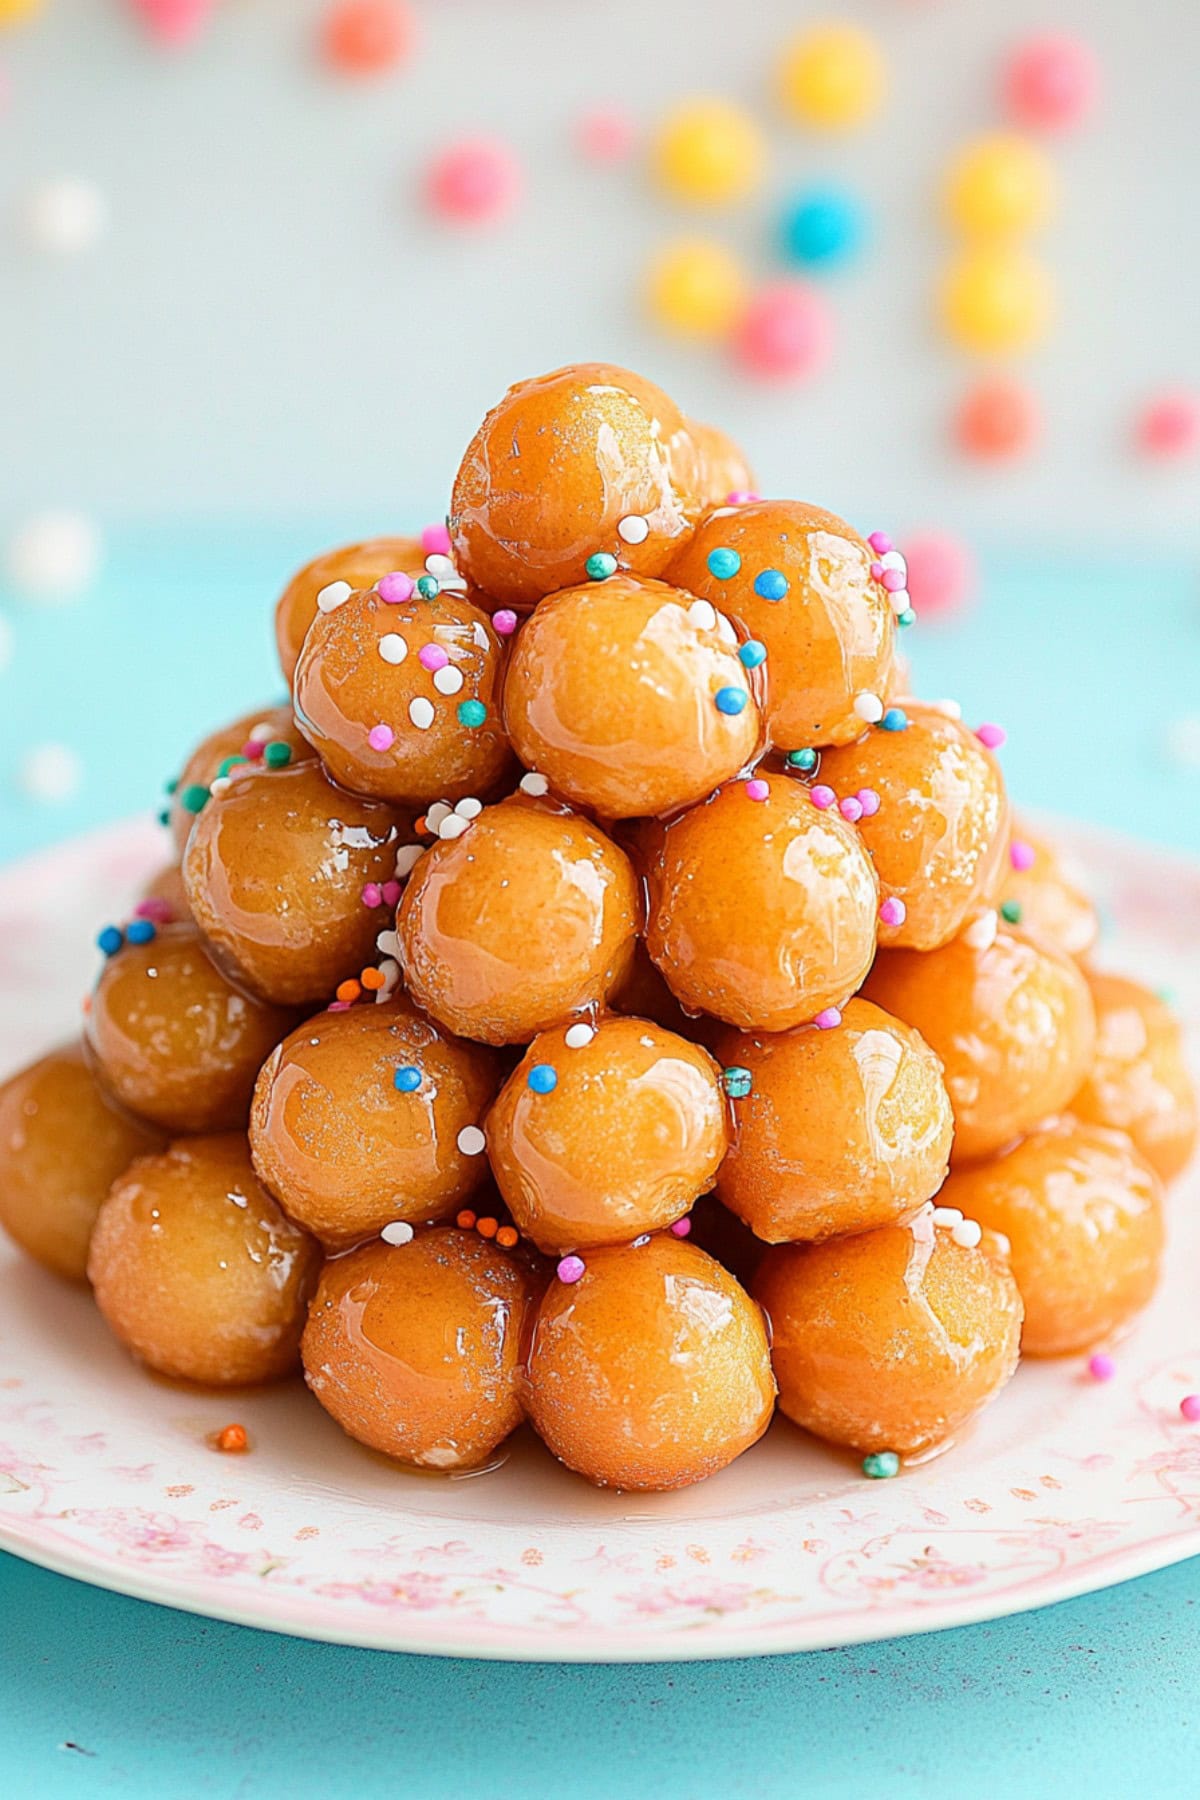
(829, 635)
(358, 564)
(166, 890)
(414, 1348)
(526, 919)
(388, 695)
(1083, 1214)
(270, 723)
(1013, 1024)
(196, 1269)
(275, 870)
(720, 464)
(62, 1145)
(939, 840)
(554, 470)
(1139, 1081)
(173, 1039)
(1049, 903)
(762, 911)
(652, 1371)
(889, 1339)
(343, 1140)
(632, 1130)
(617, 691)
(841, 1130)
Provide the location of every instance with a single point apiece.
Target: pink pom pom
(1169, 426)
(475, 182)
(785, 333)
(435, 540)
(941, 573)
(1189, 1406)
(605, 134)
(1052, 82)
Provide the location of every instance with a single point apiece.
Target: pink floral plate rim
(1065, 1486)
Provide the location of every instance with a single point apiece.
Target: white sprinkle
(534, 784)
(633, 529)
(703, 615)
(949, 709)
(262, 734)
(397, 1233)
(981, 932)
(480, 635)
(578, 1037)
(1002, 1243)
(333, 595)
(436, 813)
(967, 1233)
(437, 563)
(66, 216)
(470, 808)
(453, 827)
(892, 559)
(388, 943)
(725, 630)
(447, 680)
(54, 555)
(407, 858)
(900, 601)
(392, 647)
(869, 707)
(471, 1141)
(221, 785)
(50, 772)
(389, 968)
(6, 643)
(420, 711)
(1183, 741)
(947, 1215)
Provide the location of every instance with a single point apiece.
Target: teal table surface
(1088, 665)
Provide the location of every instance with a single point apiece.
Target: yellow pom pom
(15, 12)
(832, 77)
(696, 288)
(996, 298)
(708, 152)
(1000, 185)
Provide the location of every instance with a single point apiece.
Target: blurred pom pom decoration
(366, 37)
(832, 78)
(784, 334)
(1051, 83)
(995, 298)
(708, 152)
(53, 556)
(941, 574)
(1000, 186)
(476, 181)
(821, 228)
(696, 289)
(998, 420)
(1168, 426)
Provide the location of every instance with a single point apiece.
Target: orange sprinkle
(465, 1220)
(421, 828)
(233, 1440)
(507, 1236)
(487, 1227)
(372, 979)
(348, 990)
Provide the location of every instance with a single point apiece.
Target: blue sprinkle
(771, 584)
(543, 1078)
(737, 1081)
(731, 700)
(110, 940)
(406, 1080)
(723, 563)
(140, 931)
(752, 653)
(894, 719)
(805, 760)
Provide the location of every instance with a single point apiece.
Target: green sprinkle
(600, 566)
(907, 617)
(230, 762)
(428, 587)
(882, 1465)
(193, 798)
(471, 713)
(737, 1081)
(164, 817)
(170, 786)
(277, 754)
(1010, 912)
(804, 760)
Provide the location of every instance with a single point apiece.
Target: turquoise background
(1087, 664)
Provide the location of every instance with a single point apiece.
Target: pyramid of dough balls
(605, 998)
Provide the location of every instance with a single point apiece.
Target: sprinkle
(420, 711)
(893, 911)
(452, 828)
(470, 808)
(441, 566)
(373, 980)
(220, 786)
(381, 737)
(193, 798)
(487, 1227)
(681, 1228)
(1010, 912)
(534, 784)
(407, 858)
(894, 719)
(542, 1078)
(471, 713)
(428, 587)
(571, 1269)
(828, 1019)
(869, 707)
(752, 654)
(771, 584)
(633, 529)
(725, 631)
(703, 615)
(723, 563)
(406, 1080)
(868, 799)
(154, 908)
(881, 1465)
(822, 797)
(396, 588)
(110, 940)
(980, 934)
(393, 648)
(333, 595)
(230, 762)
(880, 542)
(507, 1236)
(435, 814)
(277, 754)
(387, 943)
(578, 1037)
(448, 680)
(471, 1141)
(349, 991)
(850, 809)
(465, 1220)
(432, 657)
(435, 539)
(397, 1233)
(338, 1006)
(741, 497)
(731, 700)
(600, 565)
(1189, 1406)
(737, 1081)
(906, 618)
(262, 733)
(140, 931)
(757, 790)
(231, 1440)
(950, 709)
(991, 736)
(804, 760)
(949, 1216)
(504, 622)
(967, 1234)
(1101, 1367)
(1021, 855)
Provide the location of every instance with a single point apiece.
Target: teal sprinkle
(428, 587)
(471, 713)
(737, 1081)
(600, 566)
(1010, 912)
(804, 760)
(723, 563)
(882, 1465)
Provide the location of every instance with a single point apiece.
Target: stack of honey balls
(604, 999)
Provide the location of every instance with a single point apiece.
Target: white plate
(105, 1473)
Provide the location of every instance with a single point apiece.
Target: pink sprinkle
(1101, 1367)
(851, 809)
(741, 497)
(381, 737)
(504, 622)
(828, 1019)
(432, 657)
(1189, 1406)
(153, 908)
(435, 540)
(605, 134)
(390, 893)
(822, 796)
(868, 799)
(880, 542)
(1021, 855)
(681, 1228)
(474, 182)
(338, 1006)
(894, 580)
(991, 736)
(893, 911)
(372, 894)
(395, 589)
(253, 750)
(877, 571)
(757, 790)
(570, 1269)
